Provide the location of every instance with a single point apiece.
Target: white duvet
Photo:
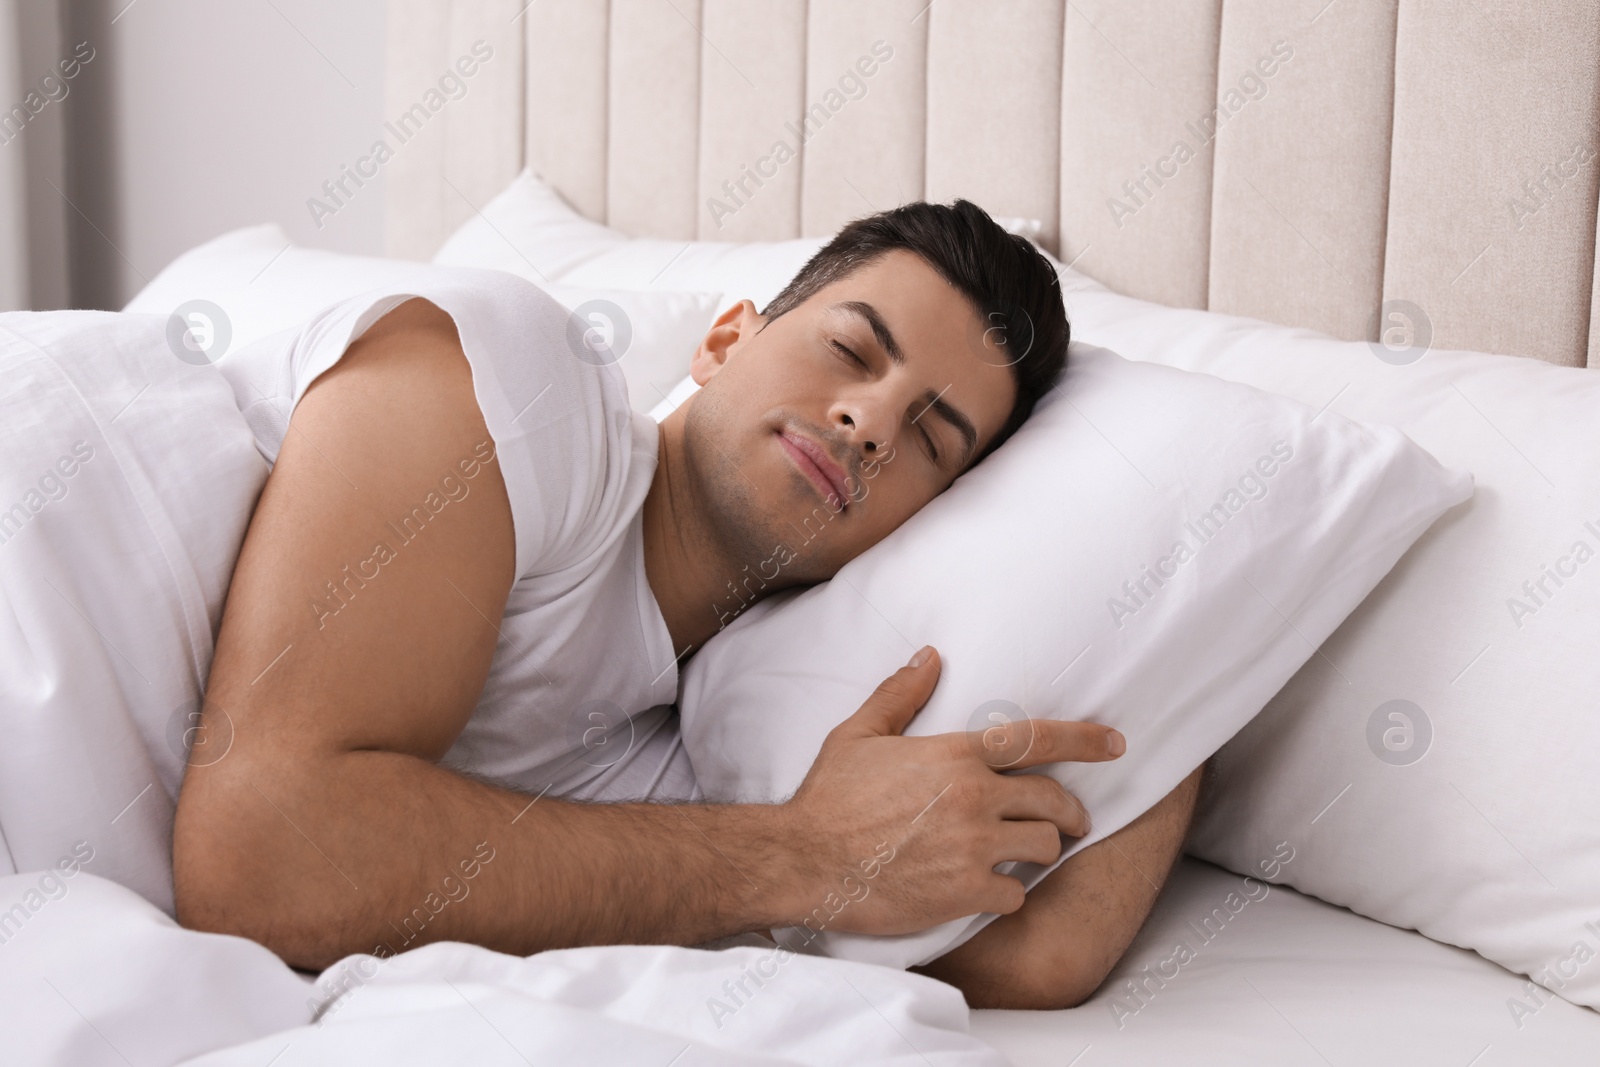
(127, 480)
(99, 976)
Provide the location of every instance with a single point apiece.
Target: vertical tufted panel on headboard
(414, 185)
(1300, 192)
(994, 108)
(1488, 234)
(483, 143)
(456, 138)
(653, 149)
(752, 76)
(863, 155)
(1139, 81)
(568, 46)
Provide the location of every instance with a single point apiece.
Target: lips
(814, 462)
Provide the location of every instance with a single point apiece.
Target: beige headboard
(1302, 161)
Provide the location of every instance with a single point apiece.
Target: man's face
(827, 427)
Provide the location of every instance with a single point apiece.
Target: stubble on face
(740, 529)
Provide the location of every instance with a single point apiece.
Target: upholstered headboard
(1303, 161)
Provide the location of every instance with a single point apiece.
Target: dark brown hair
(1012, 287)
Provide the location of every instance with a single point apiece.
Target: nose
(868, 423)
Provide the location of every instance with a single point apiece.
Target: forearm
(379, 852)
(1056, 950)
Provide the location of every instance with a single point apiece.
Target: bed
(1399, 156)
(1389, 168)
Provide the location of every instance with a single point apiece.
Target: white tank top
(584, 676)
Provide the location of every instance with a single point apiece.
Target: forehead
(945, 343)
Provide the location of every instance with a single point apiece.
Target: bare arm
(1057, 949)
(327, 823)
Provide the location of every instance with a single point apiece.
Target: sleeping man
(469, 548)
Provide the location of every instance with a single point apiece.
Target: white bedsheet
(1290, 980)
(97, 975)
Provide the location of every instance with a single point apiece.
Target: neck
(681, 561)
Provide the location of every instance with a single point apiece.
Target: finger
(1003, 742)
(897, 699)
(1003, 894)
(1038, 797)
(1030, 842)
(1030, 742)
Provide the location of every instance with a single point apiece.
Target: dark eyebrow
(962, 424)
(880, 329)
(941, 407)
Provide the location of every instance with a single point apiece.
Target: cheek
(894, 494)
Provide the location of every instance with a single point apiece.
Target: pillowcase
(257, 282)
(1155, 550)
(530, 230)
(674, 398)
(1436, 766)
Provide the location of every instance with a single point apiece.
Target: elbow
(1030, 982)
(232, 874)
(1054, 985)
(213, 890)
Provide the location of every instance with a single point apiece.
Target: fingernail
(1116, 744)
(921, 656)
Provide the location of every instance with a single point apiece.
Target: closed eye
(845, 352)
(837, 347)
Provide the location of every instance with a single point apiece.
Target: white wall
(199, 116)
(13, 174)
(34, 100)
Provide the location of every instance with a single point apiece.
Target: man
(406, 732)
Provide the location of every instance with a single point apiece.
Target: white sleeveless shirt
(579, 694)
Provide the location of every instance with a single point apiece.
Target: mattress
(1271, 976)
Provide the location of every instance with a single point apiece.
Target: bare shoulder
(378, 560)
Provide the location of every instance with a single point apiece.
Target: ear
(728, 332)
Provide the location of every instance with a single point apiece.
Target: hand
(906, 831)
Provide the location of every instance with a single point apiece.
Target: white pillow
(675, 397)
(254, 282)
(1025, 575)
(530, 230)
(1437, 766)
